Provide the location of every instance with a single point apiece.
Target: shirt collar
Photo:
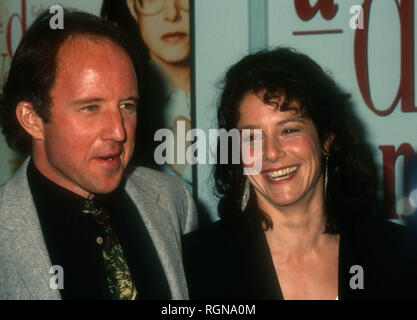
(58, 203)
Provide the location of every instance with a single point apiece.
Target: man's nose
(171, 10)
(114, 126)
(273, 150)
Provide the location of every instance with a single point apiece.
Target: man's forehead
(87, 65)
(82, 44)
(80, 53)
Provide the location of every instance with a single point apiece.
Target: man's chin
(106, 187)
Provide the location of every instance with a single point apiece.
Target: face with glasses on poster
(161, 31)
(164, 26)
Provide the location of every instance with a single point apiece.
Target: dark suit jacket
(235, 263)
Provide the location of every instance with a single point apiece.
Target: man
(70, 102)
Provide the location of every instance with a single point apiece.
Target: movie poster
(161, 32)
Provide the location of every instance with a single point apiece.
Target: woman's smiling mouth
(279, 175)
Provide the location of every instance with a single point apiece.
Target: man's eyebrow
(97, 99)
(134, 98)
(87, 101)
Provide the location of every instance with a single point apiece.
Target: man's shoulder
(16, 202)
(11, 190)
(147, 186)
(151, 178)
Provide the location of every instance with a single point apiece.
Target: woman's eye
(253, 138)
(290, 130)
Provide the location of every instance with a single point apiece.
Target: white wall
(221, 38)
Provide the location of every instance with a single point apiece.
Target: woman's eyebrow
(295, 119)
(279, 123)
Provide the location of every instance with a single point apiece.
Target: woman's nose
(273, 150)
(171, 10)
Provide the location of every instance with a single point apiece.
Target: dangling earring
(326, 160)
(246, 194)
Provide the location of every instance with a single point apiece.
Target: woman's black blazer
(224, 262)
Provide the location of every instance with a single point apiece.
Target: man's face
(90, 138)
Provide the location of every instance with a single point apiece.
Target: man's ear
(30, 120)
(131, 6)
(328, 143)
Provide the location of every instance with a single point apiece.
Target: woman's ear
(30, 120)
(328, 143)
(131, 6)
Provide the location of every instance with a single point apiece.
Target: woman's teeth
(281, 174)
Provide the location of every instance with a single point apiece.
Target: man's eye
(128, 107)
(90, 108)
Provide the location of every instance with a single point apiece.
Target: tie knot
(90, 208)
(100, 214)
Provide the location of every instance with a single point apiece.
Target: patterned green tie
(119, 279)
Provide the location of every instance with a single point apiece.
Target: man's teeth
(281, 174)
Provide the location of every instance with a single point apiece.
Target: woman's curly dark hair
(283, 72)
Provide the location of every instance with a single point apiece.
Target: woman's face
(291, 154)
(166, 33)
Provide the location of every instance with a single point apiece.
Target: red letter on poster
(305, 11)
(22, 19)
(389, 156)
(406, 87)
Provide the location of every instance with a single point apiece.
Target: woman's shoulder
(206, 259)
(228, 260)
(210, 237)
(383, 251)
(377, 238)
(376, 230)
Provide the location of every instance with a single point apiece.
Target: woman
(160, 29)
(301, 228)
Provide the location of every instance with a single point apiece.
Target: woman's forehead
(278, 102)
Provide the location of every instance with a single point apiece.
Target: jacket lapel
(251, 265)
(164, 235)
